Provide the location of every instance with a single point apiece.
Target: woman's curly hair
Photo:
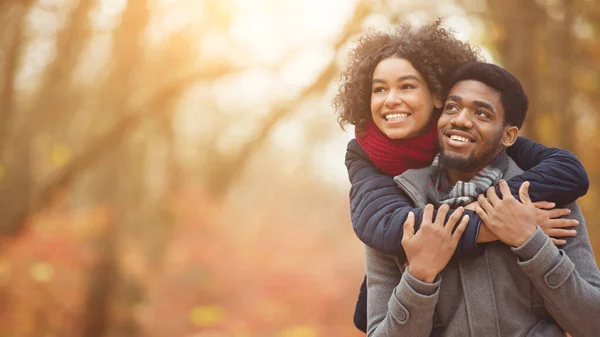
(432, 50)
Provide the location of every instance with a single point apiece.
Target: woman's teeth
(396, 117)
(460, 139)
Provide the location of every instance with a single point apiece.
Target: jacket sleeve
(378, 208)
(555, 174)
(398, 304)
(568, 279)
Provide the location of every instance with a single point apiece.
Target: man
(522, 285)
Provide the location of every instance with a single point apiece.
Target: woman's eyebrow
(401, 78)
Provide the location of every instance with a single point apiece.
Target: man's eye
(450, 108)
(481, 113)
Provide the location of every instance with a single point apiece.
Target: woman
(407, 69)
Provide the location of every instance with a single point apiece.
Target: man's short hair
(512, 96)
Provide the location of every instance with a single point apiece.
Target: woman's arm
(555, 175)
(378, 208)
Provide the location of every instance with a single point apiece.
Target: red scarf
(394, 156)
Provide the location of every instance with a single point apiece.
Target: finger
(504, 189)
(409, 227)
(561, 233)
(558, 242)
(441, 214)
(524, 193)
(484, 203)
(562, 223)
(492, 196)
(472, 205)
(453, 219)
(427, 215)
(460, 229)
(482, 214)
(558, 212)
(544, 204)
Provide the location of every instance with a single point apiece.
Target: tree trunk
(519, 24)
(111, 187)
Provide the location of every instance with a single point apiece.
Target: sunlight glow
(108, 14)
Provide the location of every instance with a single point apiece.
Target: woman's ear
(511, 133)
(438, 102)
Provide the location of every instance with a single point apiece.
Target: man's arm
(568, 279)
(402, 304)
(378, 208)
(398, 304)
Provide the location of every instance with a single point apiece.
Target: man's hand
(429, 250)
(513, 222)
(551, 221)
(485, 235)
(472, 206)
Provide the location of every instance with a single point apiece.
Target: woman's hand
(551, 221)
(429, 250)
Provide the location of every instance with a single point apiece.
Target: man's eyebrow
(401, 78)
(484, 105)
(455, 98)
(480, 104)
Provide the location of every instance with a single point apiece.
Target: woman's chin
(397, 134)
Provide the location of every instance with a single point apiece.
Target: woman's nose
(393, 99)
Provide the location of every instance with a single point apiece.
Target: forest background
(174, 167)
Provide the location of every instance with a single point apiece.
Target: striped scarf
(440, 191)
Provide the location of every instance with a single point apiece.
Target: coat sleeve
(568, 279)
(555, 174)
(398, 304)
(378, 208)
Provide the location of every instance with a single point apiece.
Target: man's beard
(472, 162)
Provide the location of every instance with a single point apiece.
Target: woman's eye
(407, 86)
(378, 89)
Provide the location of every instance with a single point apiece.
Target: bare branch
(238, 163)
(139, 108)
(10, 67)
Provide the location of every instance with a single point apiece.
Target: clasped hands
(509, 220)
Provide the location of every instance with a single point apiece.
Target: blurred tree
(109, 141)
(15, 186)
(551, 47)
(224, 169)
(118, 181)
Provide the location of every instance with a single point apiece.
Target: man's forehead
(472, 90)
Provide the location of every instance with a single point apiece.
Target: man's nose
(462, 119)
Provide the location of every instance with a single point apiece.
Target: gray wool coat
(533, 290)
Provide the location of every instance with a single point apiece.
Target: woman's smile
(401, 103)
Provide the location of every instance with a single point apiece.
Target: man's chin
(458, 162)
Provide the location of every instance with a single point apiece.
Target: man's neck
(455, 175)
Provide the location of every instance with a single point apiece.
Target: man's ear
(510, 135)
(438, 102)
